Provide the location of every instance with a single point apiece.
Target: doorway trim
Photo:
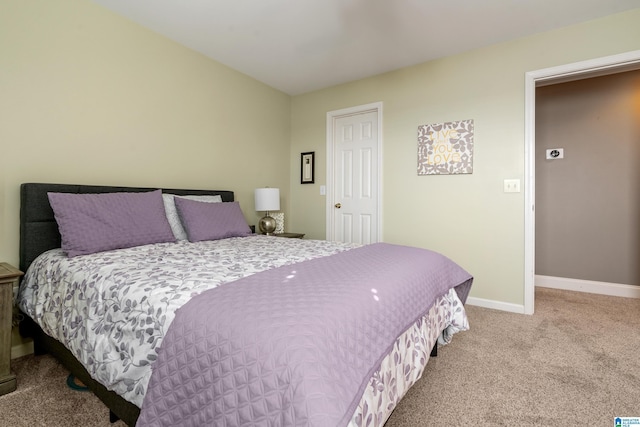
(579, 70)
(332, 116)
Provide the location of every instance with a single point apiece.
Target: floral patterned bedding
(113, 309)
(405, 364)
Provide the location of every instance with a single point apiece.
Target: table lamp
(267, 199)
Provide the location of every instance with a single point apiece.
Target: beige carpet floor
(576, 362)
(43, 398)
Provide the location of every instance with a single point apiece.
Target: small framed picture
(307, 166)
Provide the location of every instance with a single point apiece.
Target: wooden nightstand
(9, 277)
(290, 235)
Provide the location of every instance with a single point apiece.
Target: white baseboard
(579, 285)
(496, 305)
(21, 350)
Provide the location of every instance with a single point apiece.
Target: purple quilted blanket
(293, 346)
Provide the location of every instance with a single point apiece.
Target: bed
(237, 330)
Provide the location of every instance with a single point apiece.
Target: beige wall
(467, 217)
(89, 97)
(588, 204)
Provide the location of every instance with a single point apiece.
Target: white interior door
(353, 202)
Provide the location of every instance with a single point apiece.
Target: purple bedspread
(293, 346)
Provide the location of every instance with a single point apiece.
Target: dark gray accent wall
(588, 204)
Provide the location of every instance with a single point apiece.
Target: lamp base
(267, 225)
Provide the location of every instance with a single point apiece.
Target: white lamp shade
(267, 199)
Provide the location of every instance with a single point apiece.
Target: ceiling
(298, 46)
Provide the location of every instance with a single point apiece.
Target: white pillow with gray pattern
(172, 213)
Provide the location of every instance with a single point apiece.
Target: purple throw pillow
(211, 221)
(90, 223)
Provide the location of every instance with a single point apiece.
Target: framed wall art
(445, 148)
(307, 166)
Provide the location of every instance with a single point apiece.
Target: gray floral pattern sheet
(113, 309)
(404, 365)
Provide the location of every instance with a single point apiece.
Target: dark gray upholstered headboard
(38, 227)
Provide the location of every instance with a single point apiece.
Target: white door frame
(578, 70)
(332, 116)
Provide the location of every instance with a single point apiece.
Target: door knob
(338, 205)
